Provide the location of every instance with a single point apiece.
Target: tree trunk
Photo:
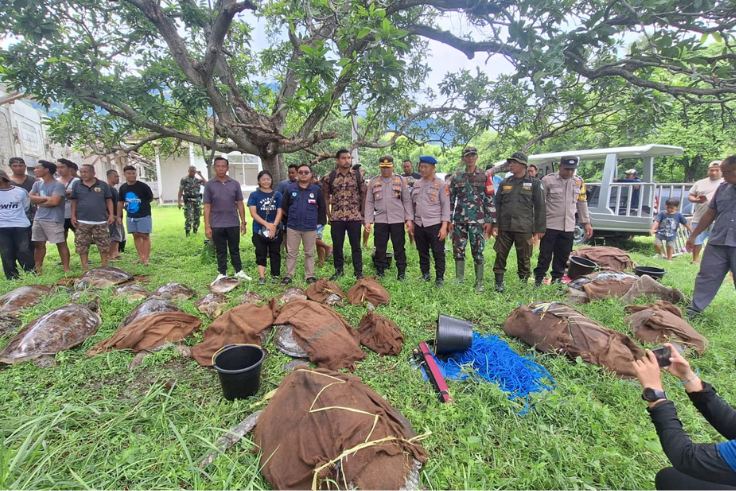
(691, 168)
(276, 165)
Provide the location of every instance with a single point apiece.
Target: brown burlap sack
(648, 286)
(322, 289)
(150, 332)
(380, 334)
(327, 338)
(324, 427)
(239, 325)
(556, 327)
(661, 322)
(367, 289)
(600, 288)
(606, 257)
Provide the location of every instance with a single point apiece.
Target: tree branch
(167, 28)
(468, 48)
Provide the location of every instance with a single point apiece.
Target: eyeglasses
(304, 172)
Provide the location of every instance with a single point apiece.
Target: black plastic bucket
(579, 266)
(239, 369)
(453, 335)
(656, 273)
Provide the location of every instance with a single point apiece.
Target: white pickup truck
(610, 202)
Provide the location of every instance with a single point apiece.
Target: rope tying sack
(493, 360)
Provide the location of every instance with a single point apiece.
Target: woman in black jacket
(695, 465)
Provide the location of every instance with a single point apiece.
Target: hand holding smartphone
(663, 354)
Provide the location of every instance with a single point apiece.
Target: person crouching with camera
(695, 465)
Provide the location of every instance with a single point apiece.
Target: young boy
(665, 227)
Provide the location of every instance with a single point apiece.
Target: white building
(23, 134)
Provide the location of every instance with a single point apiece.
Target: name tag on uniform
(508, 188)
(527, 184)
(312, 201)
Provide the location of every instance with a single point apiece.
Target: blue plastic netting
(492, 359)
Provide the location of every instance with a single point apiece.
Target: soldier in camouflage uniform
(189, 190)
(471, 198)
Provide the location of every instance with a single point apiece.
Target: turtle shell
(55, 331)
(24, 296)
(150, 307)
(103, 277)
(173, 291)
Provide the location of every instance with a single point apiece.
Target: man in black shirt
(136, 197)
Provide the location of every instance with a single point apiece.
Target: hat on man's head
(569, 162)
(470, 151)
(631, 171)
(520, 157)
(386, 161)
(4, 176)
(715, 163)
(427, 159)
(16, 159)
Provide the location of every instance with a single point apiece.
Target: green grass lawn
(91, 423)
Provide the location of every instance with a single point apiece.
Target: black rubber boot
(401, 276)
(538, 281)
(499, 283)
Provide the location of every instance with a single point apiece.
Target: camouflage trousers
(468, 232)
(192, 209)
(88, 234)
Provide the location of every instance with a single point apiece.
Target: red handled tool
(425, 357)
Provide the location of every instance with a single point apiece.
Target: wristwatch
(651, 395)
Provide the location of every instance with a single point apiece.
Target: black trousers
(227, 238)
(15, 245)
(671, 478)
(382, 232)
(559, 244)
(427, 238)
(268, 250)
(337, 231)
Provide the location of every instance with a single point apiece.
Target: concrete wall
(22, 134)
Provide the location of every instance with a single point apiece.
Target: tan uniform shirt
(431, 202)
(389, 198)
(565, 197)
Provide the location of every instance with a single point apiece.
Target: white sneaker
(219, 277)
(241, 274)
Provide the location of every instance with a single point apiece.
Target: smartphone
(663, 356)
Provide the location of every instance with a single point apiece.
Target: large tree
(189, 70)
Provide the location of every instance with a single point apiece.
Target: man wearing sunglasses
(304, 205)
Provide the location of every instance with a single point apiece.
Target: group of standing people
(40, 209)
(391, 205)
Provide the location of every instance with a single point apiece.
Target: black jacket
(699, 460)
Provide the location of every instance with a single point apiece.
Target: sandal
(285, 281)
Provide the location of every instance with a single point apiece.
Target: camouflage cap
(519, 157)
(470, 151)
